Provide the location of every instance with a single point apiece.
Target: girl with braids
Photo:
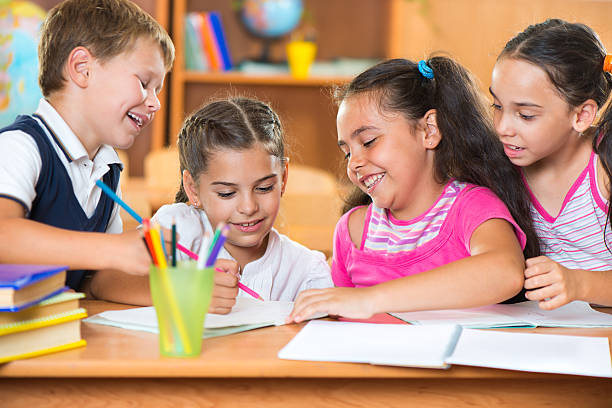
(437, 232)
(234, 170)
(548, 85)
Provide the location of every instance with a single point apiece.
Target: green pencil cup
(181, 296)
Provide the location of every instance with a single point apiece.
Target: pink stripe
(576, 230)
(575, 220)
(366, 226)
(574, 240)
(601, 204)
(568, 196)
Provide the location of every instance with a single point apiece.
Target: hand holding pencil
(226, 286)
(212, 254)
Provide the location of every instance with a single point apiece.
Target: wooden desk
(123, 368)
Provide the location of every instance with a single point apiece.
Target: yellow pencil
(163, 273)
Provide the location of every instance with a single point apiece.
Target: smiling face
(243, 188)
(386, 155)
(532, 120)
(122, 94)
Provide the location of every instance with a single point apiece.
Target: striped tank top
(574, 238)
(386, 234)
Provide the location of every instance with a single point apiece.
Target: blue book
(22, 286)
(215, 21)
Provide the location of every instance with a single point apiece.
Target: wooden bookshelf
(305, 106)
(271, 80)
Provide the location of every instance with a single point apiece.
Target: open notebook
(247, 314)
(437, 346)
(525, 314)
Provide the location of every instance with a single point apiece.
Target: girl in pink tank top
(440, 215)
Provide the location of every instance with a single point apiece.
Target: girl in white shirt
(234, 170)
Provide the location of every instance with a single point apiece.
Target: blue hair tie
(425, 70)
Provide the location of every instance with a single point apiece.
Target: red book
(211, 48)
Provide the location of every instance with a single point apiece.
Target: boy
(102, 64)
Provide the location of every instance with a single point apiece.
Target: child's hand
(226, 286)
(130, 254)
(550, 283)
(348, 302)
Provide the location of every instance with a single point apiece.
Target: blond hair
(105, 27)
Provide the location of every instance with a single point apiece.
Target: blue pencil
(119, 201)
(217, 245)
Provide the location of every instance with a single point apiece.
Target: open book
(525, 314)
(247, 314)
(437, 346)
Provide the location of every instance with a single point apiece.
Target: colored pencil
(119, 201)
(217, 245)
(146, 226)
(180, 247)
(184, 250)
(250, 291)
(156, 243)
(215, 238)
(173, 244)
(155, 238)
(245, 288)
(167, 285)
(163, 243)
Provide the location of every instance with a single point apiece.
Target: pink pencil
(245, 288)
(249, 291)
(186, 251)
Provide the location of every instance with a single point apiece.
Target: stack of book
(37, 316)
(205, 43)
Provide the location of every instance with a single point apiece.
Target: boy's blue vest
(55, 203)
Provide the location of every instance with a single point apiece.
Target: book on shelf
(41, 335)
(219, 32)
(195, 60)
(205, 45)
(22, 286)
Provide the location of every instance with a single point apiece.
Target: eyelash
(263, 190)
(365, 144)
(524, 117)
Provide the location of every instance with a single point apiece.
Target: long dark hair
(234, 123)
(572, 56)
(469, 150)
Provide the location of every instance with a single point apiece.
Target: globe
(271, 18)
(20, 23)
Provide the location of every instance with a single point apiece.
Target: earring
(430, 143)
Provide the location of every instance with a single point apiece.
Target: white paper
(246, 311)
(525, 314)
(543, 353)
(385, 344)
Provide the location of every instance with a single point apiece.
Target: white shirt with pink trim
(575, 237)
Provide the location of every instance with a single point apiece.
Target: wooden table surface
(121, 367)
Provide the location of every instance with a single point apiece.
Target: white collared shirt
(20, 165)
(285, 269)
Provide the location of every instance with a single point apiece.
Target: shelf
(261, 79)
